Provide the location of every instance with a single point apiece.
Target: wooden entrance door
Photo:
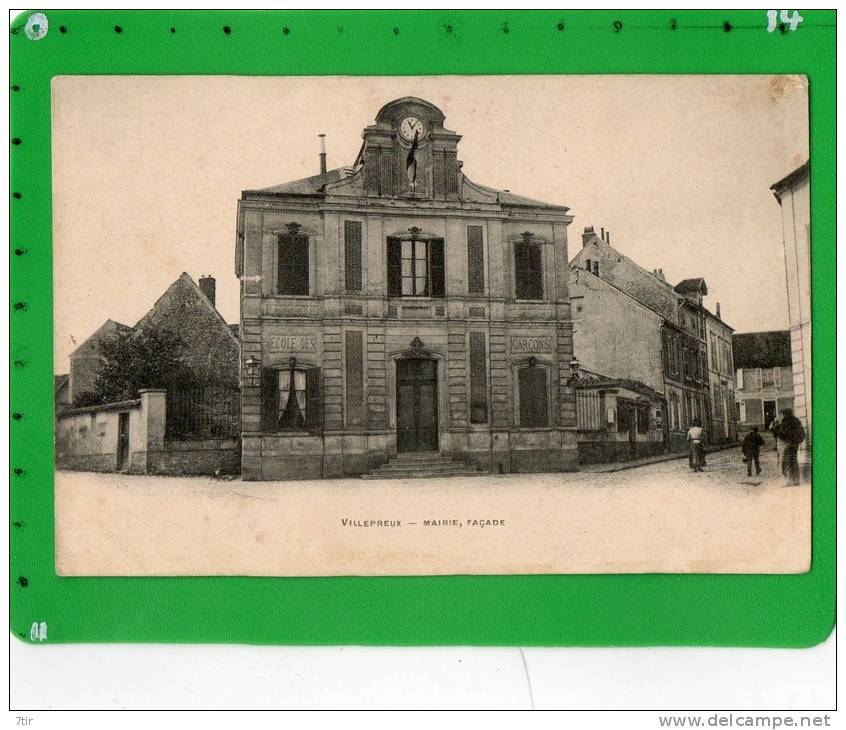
(123, 441)
(417, 405)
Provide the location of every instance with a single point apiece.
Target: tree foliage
(138, 359)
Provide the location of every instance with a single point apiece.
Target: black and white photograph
(314, 326)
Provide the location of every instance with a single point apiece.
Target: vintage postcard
(431, 325)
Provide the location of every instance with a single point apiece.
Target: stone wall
(87, 440)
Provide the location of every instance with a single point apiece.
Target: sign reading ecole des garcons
(292, 343)
(533, 345)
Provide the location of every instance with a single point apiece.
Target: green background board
(742, 610)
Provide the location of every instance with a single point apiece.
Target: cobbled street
(655, 518)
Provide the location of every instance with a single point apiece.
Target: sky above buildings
(147, 172)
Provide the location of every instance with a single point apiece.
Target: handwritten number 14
(774, 17)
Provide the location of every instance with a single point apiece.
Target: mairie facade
(395, 306)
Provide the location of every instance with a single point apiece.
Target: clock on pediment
(411, 127)
(409, 154)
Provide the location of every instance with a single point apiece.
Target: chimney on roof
(208, 284)
(588, 235)
(608, 237)
(718, 311)
(602, 233)
(322, 153)
(660, 274)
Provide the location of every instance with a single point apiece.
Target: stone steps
(423, 464)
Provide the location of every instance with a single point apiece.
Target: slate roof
(313, 185)
(506, 197)
(316, 185)
(762, 349)
(692, 285)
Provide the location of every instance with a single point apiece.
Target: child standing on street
(751, 449)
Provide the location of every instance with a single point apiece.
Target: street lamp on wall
(575, 367)
(252, 371)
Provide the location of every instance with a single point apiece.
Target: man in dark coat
(751, 449)
(791, 433)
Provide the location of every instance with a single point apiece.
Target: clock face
(410, 126)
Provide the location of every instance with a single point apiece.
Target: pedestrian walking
(792, 434)
(775, 427)
(751, 449)
(696, 453)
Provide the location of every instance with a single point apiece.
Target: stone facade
(794, 196)
(393, 281)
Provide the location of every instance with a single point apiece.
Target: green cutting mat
(752, 610)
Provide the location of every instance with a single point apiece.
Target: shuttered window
(354, 364)
(436, 257)
(416, 268)
(352, 255)
(528, 270)
(475, 261)
(533, 397)
(293, 269)
(478, 379)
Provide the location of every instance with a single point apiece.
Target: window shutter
(354, 364)
(739, 378)
(777, 376)
(759, 379)
(534, 410)
(522, 274)
(313, 404)
(394, 268)
(352, 255)
(478, 379)
(269, 399)
(293, 268)
(436, 264)
(475, 261)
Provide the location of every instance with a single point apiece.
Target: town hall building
(395, 309)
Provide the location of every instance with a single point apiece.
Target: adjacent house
(763, 364)
(395, 307)
(169, 430)
(630, 323)
(793, 194)
(211, 352)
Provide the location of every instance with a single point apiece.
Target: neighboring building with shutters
(630, 323)
(763, 366)
(396, 306)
